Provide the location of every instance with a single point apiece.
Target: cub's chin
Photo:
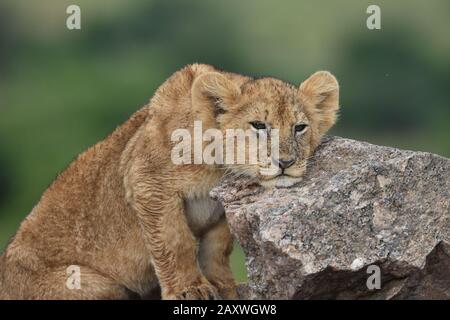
(281, 181)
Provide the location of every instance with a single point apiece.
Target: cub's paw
(200, 292)
(228, 292)
(226, 287)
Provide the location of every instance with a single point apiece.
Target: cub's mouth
(283, 178)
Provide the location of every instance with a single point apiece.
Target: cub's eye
(258, 125)
(300, 128)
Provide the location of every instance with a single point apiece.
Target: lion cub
(123, 218)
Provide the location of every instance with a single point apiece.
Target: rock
(359, 205)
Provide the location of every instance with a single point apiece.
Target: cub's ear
(215, 93)
(320, 95)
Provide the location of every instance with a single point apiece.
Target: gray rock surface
(358, 205)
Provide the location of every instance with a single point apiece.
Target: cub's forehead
(274, 98)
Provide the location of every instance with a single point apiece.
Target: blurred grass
(62, 91)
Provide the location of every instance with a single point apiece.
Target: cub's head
(301, 115)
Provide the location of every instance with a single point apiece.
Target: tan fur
(131, 219)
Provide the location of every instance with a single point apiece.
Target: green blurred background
(62, 91)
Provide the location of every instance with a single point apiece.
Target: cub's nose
(284, 163)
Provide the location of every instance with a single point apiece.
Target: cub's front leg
(171, 243)
(215, 248)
